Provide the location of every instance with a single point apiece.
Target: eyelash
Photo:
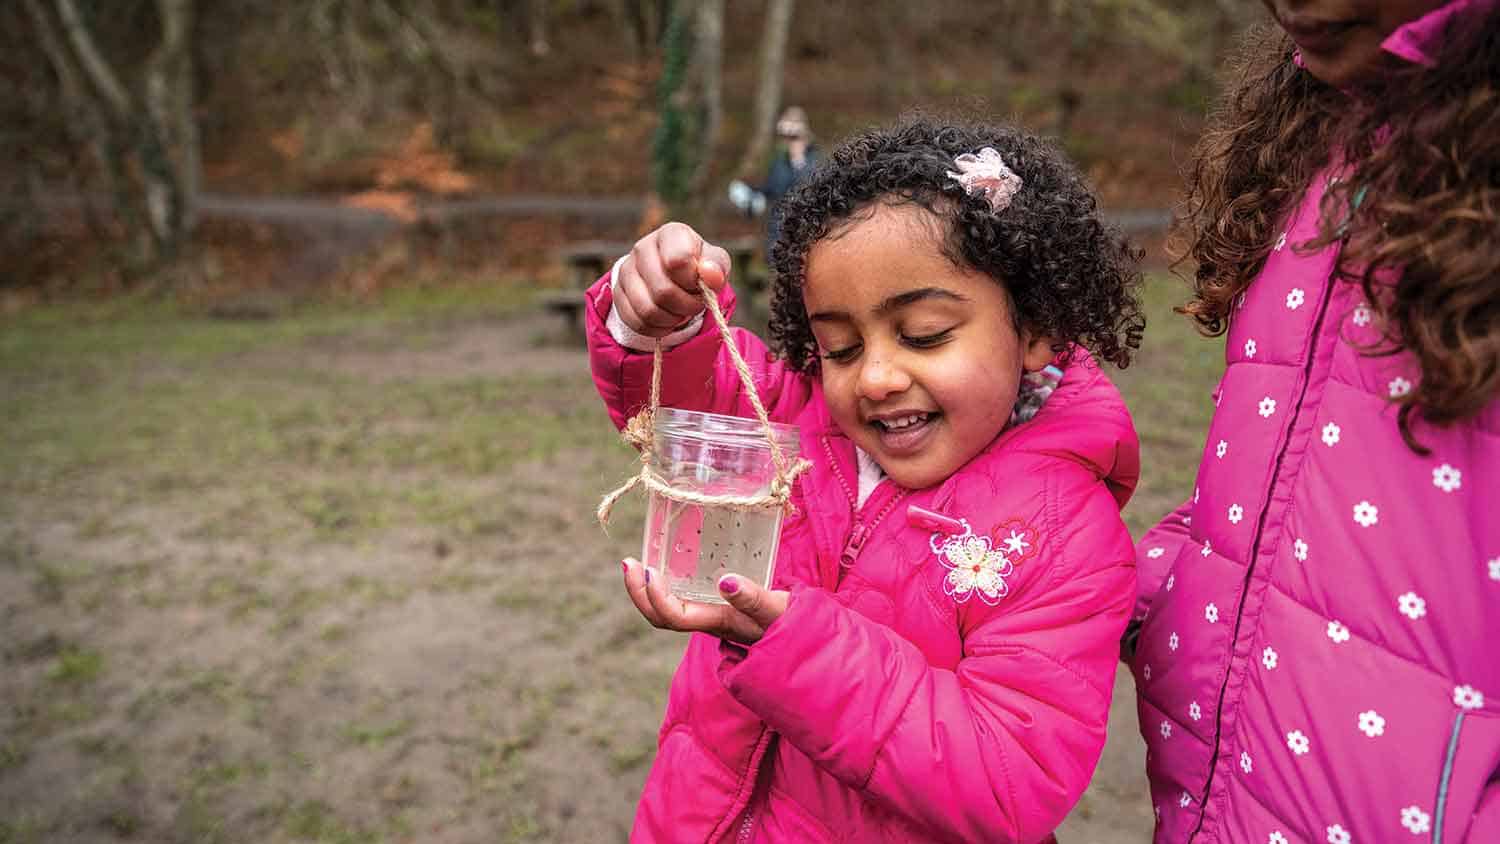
(926, 341)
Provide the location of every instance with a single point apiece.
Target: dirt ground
(335, 578)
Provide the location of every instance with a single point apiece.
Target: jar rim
(720, 427)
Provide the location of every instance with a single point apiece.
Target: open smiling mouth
(904, 432)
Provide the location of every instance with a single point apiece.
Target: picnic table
(585, 261)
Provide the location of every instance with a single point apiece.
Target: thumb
(711, 273)
(762, 605)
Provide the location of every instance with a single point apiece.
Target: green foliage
(673, 144)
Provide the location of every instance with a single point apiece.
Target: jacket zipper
(860, 530)
(745, 795)
(1314, 342)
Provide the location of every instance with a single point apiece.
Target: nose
(881, 376)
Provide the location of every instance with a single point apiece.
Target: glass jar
(693, 545)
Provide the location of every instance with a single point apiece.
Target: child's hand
(752, 607)
(657, 288)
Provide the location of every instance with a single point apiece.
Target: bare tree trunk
(768, 95)
(155, 137)
(708, 64)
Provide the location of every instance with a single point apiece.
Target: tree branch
(104, 81)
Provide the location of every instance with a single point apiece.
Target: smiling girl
(935, 661)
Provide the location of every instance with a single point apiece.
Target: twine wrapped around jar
(640, 432)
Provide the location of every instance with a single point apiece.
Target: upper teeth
(903, 422)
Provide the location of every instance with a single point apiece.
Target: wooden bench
(585, 261)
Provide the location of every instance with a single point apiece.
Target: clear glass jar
(693, 545)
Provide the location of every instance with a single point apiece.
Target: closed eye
(843, 355)
(928, 341)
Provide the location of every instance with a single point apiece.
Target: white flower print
(1236, 513)
(1166, 729)
(1221, 449)
(1015, 543)
(1156, 552)
(1494, 568)
(1268, 658)
(1331, 434)
(1276, 838)
(1171, 580)
(1184, 800)
(1415, 820)
(973, 568)
(1197, 491)
(1412, 605)
(1468, 697)
(1447, 478)
(1298, 742)
(1371, 724)
(1211, 612)
(1281, 242)
(1338, 632)
(1208, 548)
(1362, 315)
(1398, 387)
(1267, 407)
(1173, 642)
(1299, 550)
(1250, 348)
(1245, 762)
(1338, 835)
(1187, 521)
(1366, 514)
(1195, 711)
(1295, 298)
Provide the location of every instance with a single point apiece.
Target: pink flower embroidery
(984, 174)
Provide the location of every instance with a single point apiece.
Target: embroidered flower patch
(977, 564)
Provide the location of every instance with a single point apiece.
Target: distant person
(1317, 659)
(936, 659)
(794, 160)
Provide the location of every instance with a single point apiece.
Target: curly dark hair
(1424, 147)
(1070, 276)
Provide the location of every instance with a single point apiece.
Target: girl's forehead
(884, 256)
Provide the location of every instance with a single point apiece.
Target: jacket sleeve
(1000, 747)
(1154, 556)
(1485, 825)
(697, 375)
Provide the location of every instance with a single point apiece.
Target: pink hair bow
(984, 174)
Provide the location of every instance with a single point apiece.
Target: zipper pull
(920, 517)
(857, 538)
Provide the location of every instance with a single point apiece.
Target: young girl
(1318, 657)
(936, 659)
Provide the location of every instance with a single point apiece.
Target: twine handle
(640, 432)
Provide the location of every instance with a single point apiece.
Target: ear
(1036, 351)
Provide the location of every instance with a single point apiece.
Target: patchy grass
(333, 576)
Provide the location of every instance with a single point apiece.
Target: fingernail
(625, 566)
(729, 584)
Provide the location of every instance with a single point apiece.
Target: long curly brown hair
(1423, 150)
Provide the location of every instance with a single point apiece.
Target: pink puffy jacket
(893, 702)
(1318, 661)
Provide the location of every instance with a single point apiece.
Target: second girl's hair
(1424, 149)
(1069, 276)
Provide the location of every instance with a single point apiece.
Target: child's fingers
(713, 267)
(656, 300)
(669, 612)
(635, 587)
(759, 604)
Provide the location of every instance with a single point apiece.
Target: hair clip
(984, 174)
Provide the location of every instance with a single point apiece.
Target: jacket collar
(1420, 41)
